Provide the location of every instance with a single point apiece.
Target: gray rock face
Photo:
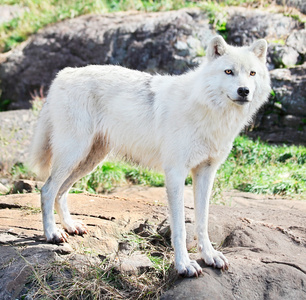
(290, 54)
(289, 86)
(246, 25)
(280, 56)
(282, 120)
(163, 42)
(297, 40)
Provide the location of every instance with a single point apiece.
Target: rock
(259, 247)
(298, 4)
(63, 249)
(262, 236)
(3, 189)
(27, 186)
(9, 12)
(21, 234)
(282, 120)
(297, 40)
(137, 263)
(17, 265)
(282, 56)
(289, 89)
(246, 25)
(16, 132)
(149, 42)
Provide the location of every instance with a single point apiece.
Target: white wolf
(176, 123)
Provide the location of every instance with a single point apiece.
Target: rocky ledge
(263, 238)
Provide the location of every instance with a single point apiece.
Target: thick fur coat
(174, 123)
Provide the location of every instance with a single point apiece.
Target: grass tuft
(101, 278)
(115, 173)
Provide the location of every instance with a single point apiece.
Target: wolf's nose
(243, 91)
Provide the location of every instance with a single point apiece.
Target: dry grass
(99, 277)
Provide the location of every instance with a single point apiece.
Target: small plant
(201, 52)
(21, 171)
(4, 104)
(38, 100)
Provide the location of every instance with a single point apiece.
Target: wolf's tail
(41, 149)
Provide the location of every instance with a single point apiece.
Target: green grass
(112, 174)
(252, 166)
(257, 167)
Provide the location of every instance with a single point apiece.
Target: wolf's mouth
(240, 100)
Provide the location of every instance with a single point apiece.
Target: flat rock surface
(264, 239)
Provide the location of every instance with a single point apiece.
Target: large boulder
(156, 42)
(285, 35)
(246, 25)
(167, 42)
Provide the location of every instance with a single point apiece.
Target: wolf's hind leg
(95, 155)
(68, 165)
(203, 178)
(71, 226)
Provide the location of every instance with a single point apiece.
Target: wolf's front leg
(203, 178)
(175, 180)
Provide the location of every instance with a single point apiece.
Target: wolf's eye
(229, 72)
(252, 73)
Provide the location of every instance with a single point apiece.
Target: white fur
(174, 123)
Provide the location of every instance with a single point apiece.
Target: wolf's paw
(58, 236)
(190, 269)
(76, 227)
(214, 258)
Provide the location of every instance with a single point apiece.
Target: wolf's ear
(260, 49)
(217, 47)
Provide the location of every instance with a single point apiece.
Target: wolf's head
(237, 75)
